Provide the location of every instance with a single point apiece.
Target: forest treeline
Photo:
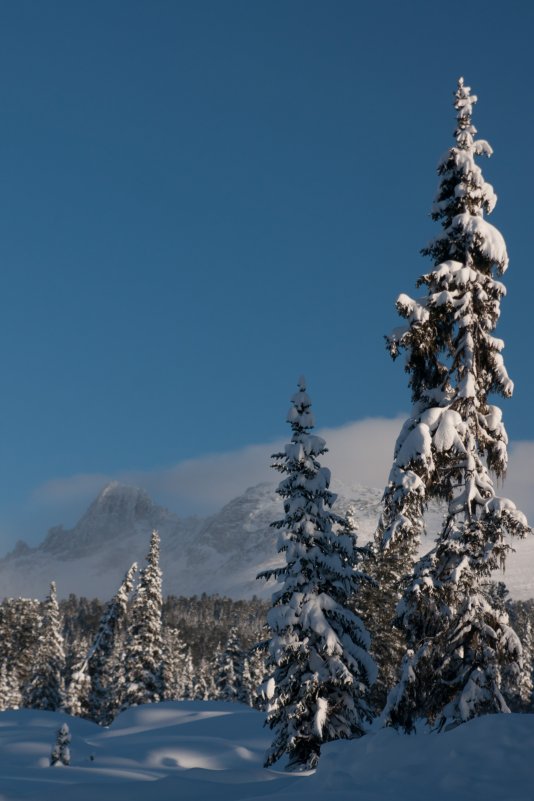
(210, 650)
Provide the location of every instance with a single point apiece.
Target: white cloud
(359, 453)
(519, 482)
(70, 489)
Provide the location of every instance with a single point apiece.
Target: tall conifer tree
(20, 627)
(229, 669)
(46, 689)
(457, 639)
(10, 696)
(143, 655)
(318, 653)
(174, 665)
(94, 690)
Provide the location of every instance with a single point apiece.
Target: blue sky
(200, 201)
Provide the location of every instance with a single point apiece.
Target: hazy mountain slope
(221, 554)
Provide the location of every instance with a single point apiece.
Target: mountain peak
(121, 500)
(119, 511)
(220, 554)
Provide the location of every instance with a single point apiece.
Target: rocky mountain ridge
(218, 554)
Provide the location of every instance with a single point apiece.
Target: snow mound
(213, 751)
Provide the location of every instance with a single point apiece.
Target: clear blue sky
(201, 200)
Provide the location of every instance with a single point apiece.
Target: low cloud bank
(359, 453)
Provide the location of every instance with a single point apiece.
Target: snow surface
(213, 751)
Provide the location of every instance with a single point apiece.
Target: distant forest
(211, 647)
(204, 621)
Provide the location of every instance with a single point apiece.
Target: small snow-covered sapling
(61, 752)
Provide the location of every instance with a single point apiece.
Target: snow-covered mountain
(220, 554)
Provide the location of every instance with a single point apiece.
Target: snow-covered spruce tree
(318, 652)
(61, 751)
(516, 679)
(20, 624)
(93, 690)
(375, 602)
(411, 482)
(392, 555)
(518, 688)
(197, 680)
(247, 687)
(253, 678)
(77, 680)
(174, 665)
(143, 653)
(376, 605)
(104, 655)
(200, 684)
(46, 687)
(459, 639)
(229, 669)
(10, 696)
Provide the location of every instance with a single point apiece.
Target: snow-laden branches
(452, 448)
(318, 651)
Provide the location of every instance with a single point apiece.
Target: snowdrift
(213, 751)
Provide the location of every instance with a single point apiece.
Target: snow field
(213, 751)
